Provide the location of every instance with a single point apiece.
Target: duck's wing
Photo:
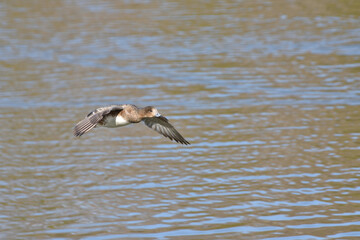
(162, 126)
(93, 118)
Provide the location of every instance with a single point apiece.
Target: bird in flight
(121, 115)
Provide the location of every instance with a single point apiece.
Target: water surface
(266, 92)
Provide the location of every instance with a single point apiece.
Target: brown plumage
(122, 115)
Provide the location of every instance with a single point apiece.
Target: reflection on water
(266, 92)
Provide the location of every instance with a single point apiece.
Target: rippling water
(267, 92)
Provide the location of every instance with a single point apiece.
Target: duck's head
(150, 111)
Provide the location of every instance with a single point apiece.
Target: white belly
(112, 122)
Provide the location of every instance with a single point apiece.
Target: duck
(114, 116)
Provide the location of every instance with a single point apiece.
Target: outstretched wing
(162, 126)
(93, 118)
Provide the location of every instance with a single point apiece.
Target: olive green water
(267, 92)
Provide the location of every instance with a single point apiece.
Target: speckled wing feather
(162, 126)
(93, 118)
